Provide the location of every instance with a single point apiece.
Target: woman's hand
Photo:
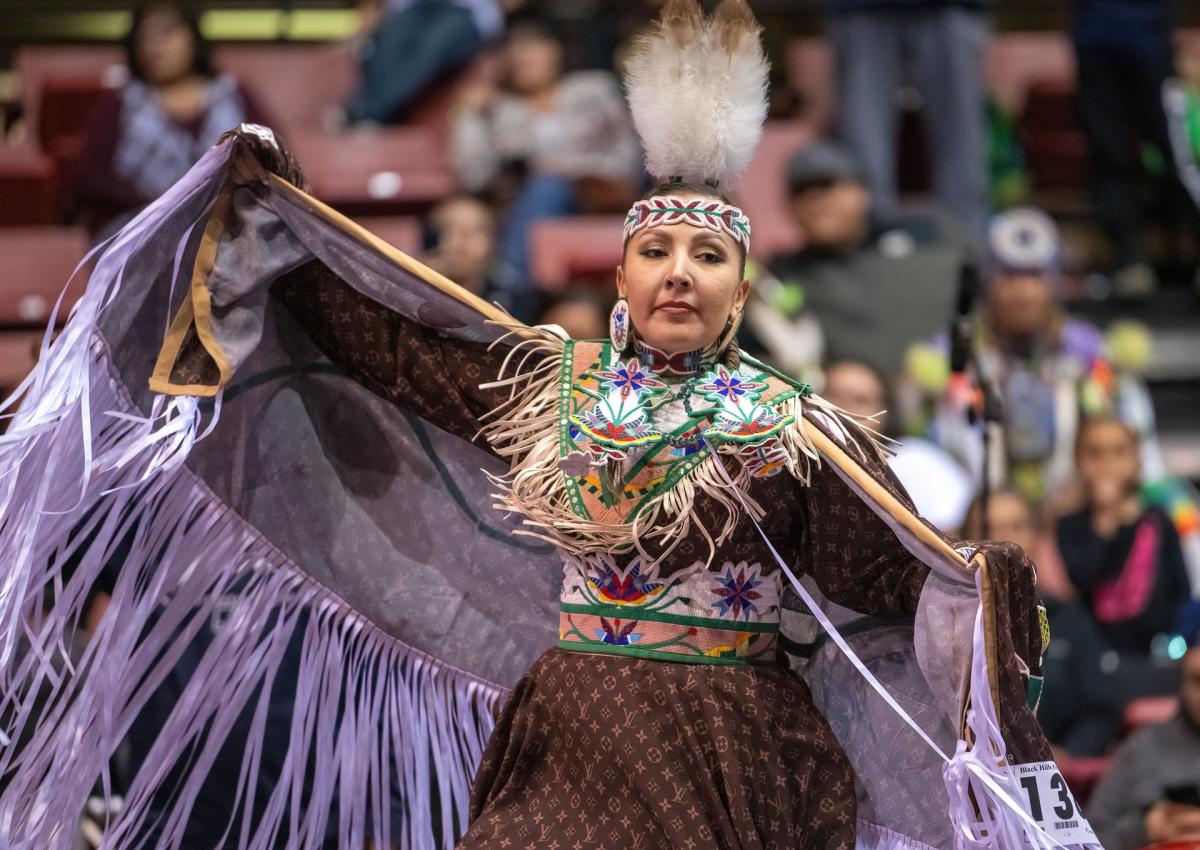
(267, 152)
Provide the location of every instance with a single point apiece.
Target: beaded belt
(698, 616)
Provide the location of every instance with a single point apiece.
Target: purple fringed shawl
(306, 499)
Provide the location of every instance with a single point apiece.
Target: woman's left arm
(850, 551)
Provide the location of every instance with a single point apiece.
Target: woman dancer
(678, 481)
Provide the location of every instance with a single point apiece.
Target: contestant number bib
(1051, 803)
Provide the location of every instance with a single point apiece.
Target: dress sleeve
(432, 374)
(854, 557)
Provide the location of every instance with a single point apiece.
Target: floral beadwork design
(704, 616)
(625, 586)
(620, 417)
(629, 377)
(598, 580)
(736, 414)
(613, 633)
(742, 591)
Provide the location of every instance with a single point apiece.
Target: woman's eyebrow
(709, 239)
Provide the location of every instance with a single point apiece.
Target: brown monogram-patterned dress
(600, 747)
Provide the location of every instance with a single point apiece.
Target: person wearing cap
(1050, 370)
(1152, 791)
(873, 282)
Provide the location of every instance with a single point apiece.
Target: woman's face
(1108, 461)
(534, 62)
(1010, 519)
(683, 283)
(165, 48)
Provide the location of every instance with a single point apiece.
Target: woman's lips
(676, 308)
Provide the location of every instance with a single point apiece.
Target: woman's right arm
(429, 373)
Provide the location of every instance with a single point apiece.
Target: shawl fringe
(526, 431)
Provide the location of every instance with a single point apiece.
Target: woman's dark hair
(1086, 423)
(890, 426)
(533, 24)
(704, 191)
(187, 16)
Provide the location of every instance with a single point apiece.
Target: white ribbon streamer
(988, 824)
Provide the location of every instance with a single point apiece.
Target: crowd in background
(864, 309)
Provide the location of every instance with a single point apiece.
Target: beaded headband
(708, 213)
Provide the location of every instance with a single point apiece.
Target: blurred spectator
(545, 134)
(1152, 791)
(1080, 707)
(941, 42)
(460, 242)
(1124, 56)
(147, 135)
(1050, 370)
(408, 45)
(873, 282)
(580, 312)
(1182, 101)
(940, 488)
(1124, 558)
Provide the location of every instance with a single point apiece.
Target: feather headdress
(697, 88)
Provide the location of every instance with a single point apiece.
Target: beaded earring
(618, 325)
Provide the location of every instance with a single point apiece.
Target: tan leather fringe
(525, 431)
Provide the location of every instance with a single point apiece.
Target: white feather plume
(697, 89)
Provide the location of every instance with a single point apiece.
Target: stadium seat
(35, 265)
(41, 65)
(763, 188)
(1015, 61)
(1056, 151)
(380, 171)
(18, 350)
(28, 191)
(403, 232)
(1012, 61)
(1083, 774)
(1149, 711)
(565, 249)
(297, 85)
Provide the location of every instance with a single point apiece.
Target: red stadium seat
(762, 190)
(381, 171)
(28, 192)
(37, 67)
(564, 249)
(35, 265)
(1015, 61)
(18, 350)
(1055, 148)
(1150, 710)
(66, 105)
(403, 232)
(1083, 774)
(297, 85)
